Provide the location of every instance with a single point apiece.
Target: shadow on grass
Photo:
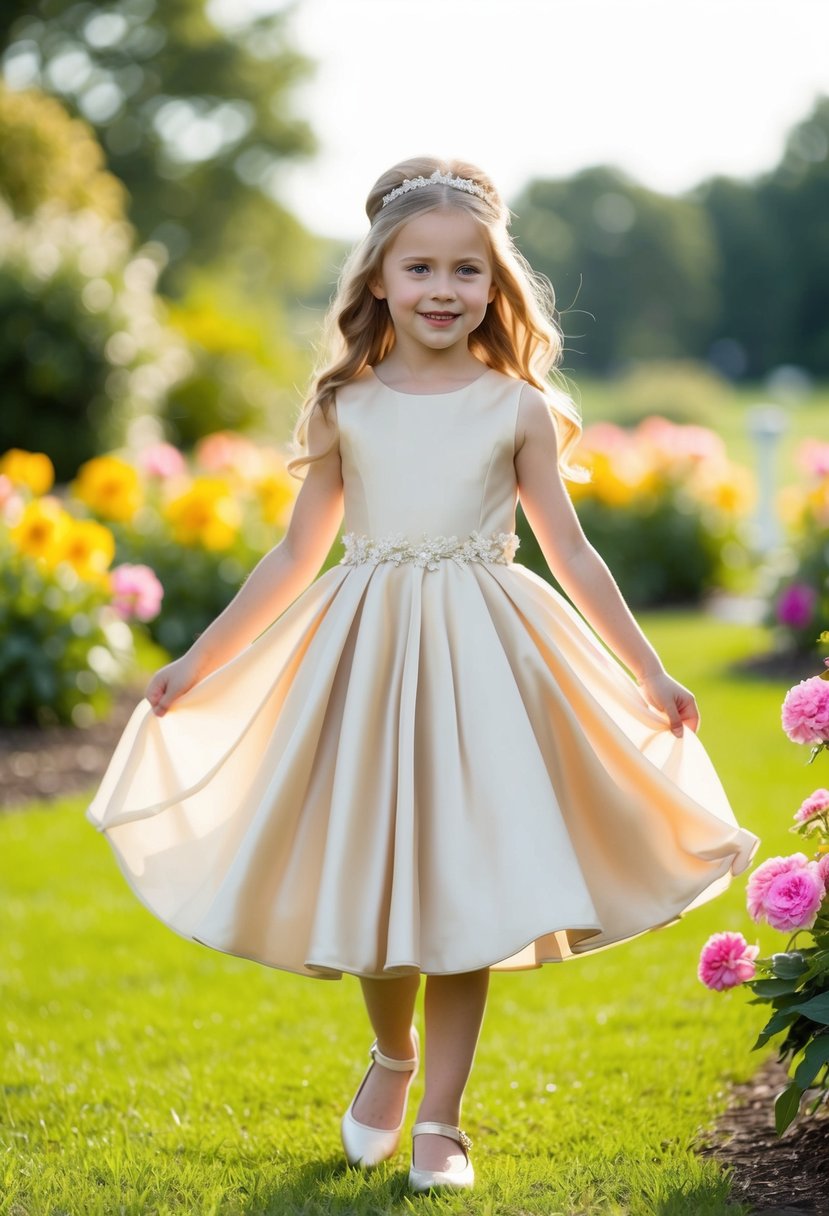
(328, 1185)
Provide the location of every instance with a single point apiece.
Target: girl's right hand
(171, 682)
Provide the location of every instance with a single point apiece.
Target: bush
(85, 356)
(201, 526)
(63, 642)
(799, 595)
(664, 509)
(681, 390)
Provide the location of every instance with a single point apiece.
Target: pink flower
(813, 456)
(823, 870)
(792, 900)
(795, 605)
(761, 879)
(162, 460)
(726, 960)
(812, 806)
(805, 714)
(136, 592)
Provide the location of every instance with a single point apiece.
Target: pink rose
(726, 960)
(162, 460)
(814, 805)
(792, 899)
(761, 879)
(805, 714)
(795, 605)
(136, 592)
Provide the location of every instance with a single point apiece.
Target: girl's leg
(390, 1005)
(454, 1008)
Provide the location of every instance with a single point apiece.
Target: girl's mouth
(440, 318)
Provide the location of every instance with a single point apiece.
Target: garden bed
(38, 764)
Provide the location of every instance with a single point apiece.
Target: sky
(670, 91)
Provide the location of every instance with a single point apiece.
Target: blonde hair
(518, 336)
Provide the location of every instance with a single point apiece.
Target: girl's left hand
(671, 698)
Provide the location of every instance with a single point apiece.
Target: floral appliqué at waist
(429, 550)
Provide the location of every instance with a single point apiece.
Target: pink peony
(726, 960)
(136, 592)
(162, 460)
(761, 879)
(792, 899)
(805, 714)
(796, 605)
(823, 869)
(814, 805)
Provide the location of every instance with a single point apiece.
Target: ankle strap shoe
(425, 1180)
(366, 1146)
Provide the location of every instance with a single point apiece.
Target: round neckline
(450, 393)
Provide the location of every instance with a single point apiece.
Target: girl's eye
(419, 267)
(472, 270)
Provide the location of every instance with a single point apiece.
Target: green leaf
(786, 1106)
(814, 1058)
(769, 988)
(778, 1021)
(817, 1009)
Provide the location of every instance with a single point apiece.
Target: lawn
(143, 1073)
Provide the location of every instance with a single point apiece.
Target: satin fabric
(419, 769)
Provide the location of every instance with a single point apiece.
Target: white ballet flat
(364, 1145)
(424, 1180)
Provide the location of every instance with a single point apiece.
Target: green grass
(146, 1074)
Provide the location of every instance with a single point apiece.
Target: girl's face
(436, 277)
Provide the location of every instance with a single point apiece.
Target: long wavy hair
(518, 336)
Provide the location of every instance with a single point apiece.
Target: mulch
(56, 761)
(776, 1176)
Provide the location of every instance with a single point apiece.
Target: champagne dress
(428, 762)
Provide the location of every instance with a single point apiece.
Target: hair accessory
(438, 179)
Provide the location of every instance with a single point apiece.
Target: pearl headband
(438, 179)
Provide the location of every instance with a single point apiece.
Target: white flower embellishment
(428, 552)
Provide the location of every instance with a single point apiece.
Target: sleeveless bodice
(433, 465)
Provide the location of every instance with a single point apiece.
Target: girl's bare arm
(580, 570)
(275, 582)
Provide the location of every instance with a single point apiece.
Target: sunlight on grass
(146, 1074)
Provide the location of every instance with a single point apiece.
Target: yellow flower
(34, 470)
(206, 515)
(89, 548)
(276, 494)
(729, 487)
(41, 530)
(791, 506)
(110, 487)
(621, 478)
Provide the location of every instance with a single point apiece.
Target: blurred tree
(640, 264)
(795, 196)
(194, 120)
(47, 156)
(756, 289)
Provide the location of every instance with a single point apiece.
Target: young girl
(424, 763)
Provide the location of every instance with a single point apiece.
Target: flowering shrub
(790, 894)
(800, 597)
(200, 525)
(664, 507)
(64, 641)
